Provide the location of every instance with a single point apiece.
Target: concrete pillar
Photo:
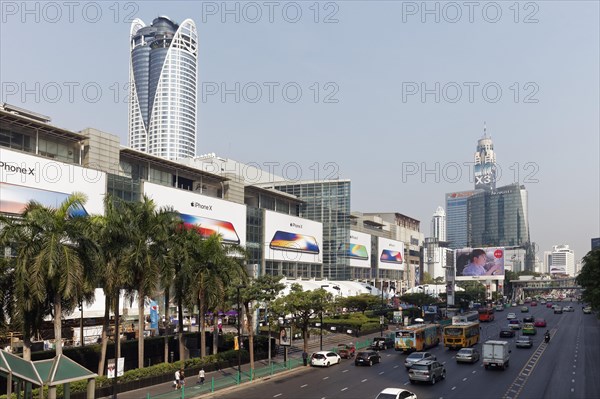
(52, 392)
(91, 388)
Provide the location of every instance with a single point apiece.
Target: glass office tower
(456, 218)
(163, 86)
(327, 202)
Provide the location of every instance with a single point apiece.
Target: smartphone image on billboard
(286, 241)
(207, 227)
(389, 256)
(14, 199)
(354, 251)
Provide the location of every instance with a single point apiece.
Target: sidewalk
(227, 378)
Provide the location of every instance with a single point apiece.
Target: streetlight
(239, 328)
(321, 339)
(381, 320)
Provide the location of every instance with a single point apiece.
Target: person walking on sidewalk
(181, 378)
(177, 376)
(201, 376)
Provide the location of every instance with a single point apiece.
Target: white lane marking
(453, 388)
(464, 379)
(325, 378)
(302, 386)
(407, 382)
(365, 380)
(474, 371)
(573, 373)
(381, 372)
(572, 389)
(396, 366)
(388, 355)
(573, 381)
(279, 394)
(345, 371)
(343, 389)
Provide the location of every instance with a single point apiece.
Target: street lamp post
(239, 328)
(382, 310)
(321, 338)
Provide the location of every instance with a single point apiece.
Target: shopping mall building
(298, 229)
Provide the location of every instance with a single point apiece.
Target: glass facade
(456, 218)
(327, 202)
(163, 81)
(498, 218)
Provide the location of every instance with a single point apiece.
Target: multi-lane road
(567, 367)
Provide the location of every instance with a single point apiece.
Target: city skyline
(391, 98)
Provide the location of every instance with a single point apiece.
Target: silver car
(467, 355)
(417, 356)
(427, 370)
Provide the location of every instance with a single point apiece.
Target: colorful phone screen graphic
(207, 227)
(14, 199)
(354, 251)
(389, 256)
(287, 241)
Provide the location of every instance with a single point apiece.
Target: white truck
(495, 354)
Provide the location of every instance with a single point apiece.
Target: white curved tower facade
(438, 224)
(163, 88)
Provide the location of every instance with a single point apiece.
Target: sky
(392, 95)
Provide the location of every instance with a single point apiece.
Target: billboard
(479, 263)
(358, 250)
(290, 238)
(25, 177)
(390, 254)
(208, 215)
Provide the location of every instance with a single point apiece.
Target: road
(567, 367)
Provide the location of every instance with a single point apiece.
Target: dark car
(528, 319)
(427, 370)
(524, 342)
(367, 358)
(381, 343)
(507, 333)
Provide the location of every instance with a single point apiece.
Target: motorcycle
(547, 337)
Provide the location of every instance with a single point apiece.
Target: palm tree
(148, 227)
(55, 260)
(220, 264)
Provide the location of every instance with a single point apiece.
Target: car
(346, 351)
(524, 342)
(396, 393)
(467, 355)
(524, 309)
(558, 310)
(533, 303)
(381, 343)
(507, 333)
(514, 305)
(417, 356)
(324, 358)
(499, 308)
(540, 322)
(543, 302)
(367, 358)
(511, 316)
(427, 371)
(528, 319)
(514, 324)
(587, 310)
(549, 304)
(568, 309)
(529, 329)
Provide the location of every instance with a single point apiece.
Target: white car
(511, 316)
(325, 359)
(396, 393)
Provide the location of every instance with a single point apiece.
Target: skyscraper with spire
(163, 85)
(484, 169)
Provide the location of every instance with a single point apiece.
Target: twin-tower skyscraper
(163, 88)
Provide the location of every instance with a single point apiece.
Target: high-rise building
(563, 260)
(485, 164)
(438, 224)
(456, 218)
(163, 85)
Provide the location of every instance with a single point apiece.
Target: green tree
(256, 294)
(589, 278)
(418, 299)
(361, 302)
(427, 279)
(302, 306)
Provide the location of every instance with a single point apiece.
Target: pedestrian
(201, 376)
(181, 378)
(177, 376)
(305, 358)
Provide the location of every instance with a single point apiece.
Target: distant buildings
(563, 261)
(595, 243)
(435, 251)
(163, 85)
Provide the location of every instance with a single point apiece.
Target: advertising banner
(358, 250)
(390, 254)
(25, 177)
(208, 215)
(285, 336)
(290, 238)
(479, 263)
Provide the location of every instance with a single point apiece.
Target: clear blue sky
(373, 59)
